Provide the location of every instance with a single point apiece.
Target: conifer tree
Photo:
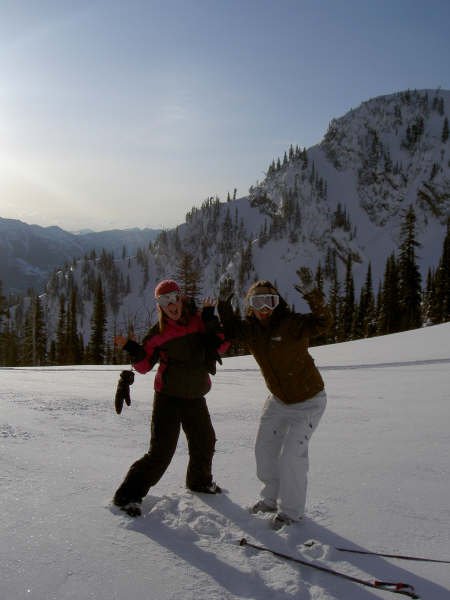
(73, 350)
(246, 263)
(34, 341)
(444, 276)
(61, 331)
(96, 353)
(439, 287)
(52, 353)
(188, 276)
(81, 347)
(40, 333)
(364, 317)
(319, 283)
(227, 237)
(333, 299)
(428, 299)
(26, 349)
(11, 346)
(445, 130)
(369, 323)
(389, 305)
(348, 309)
(410, 285)
(378, 309)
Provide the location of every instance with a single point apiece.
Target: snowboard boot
(133, 509)
(280, 520)
(262, 507)
(211, 488)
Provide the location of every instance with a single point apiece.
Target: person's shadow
(250, 584)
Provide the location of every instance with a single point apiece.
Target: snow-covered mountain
(346, 196)
(29, 253)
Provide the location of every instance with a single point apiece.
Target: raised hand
(208, 302)
(120, 341)
(307, 283)
(226, 289)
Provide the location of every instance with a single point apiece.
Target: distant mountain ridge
(29, 253)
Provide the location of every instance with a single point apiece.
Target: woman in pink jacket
(185, 343)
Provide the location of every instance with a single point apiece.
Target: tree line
(401, 302)
(24, 340)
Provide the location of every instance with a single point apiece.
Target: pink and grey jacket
(187, 354)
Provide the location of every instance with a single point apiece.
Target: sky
(379, 480)
(128, 114)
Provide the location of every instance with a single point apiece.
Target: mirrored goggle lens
(166, 299)
(261, 301)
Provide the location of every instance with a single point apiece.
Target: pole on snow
(394, 587)
(401, 556)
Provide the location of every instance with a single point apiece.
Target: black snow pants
(169, 413)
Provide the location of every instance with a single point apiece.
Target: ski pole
(394, 587)
(402, 556)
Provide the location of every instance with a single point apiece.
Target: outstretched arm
(209, 319)
(319, 320)
(233, 327)
(213, 329)
(142, 358)
(135, 350)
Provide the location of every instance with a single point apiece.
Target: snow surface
(379, 480)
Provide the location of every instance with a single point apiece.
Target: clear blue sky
(122, 114)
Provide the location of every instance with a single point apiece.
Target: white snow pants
(281, 451)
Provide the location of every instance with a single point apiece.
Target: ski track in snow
(205, 531)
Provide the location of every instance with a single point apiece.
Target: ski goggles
(169, 298)
(260, 301)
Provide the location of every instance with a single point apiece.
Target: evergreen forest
(400, 302)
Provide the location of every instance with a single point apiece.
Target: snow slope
(380, 480)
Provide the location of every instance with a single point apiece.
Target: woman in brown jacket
(279, 338)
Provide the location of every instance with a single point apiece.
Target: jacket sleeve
(210, 321)
(214, 335)
(319, 320)
(135, 350)
(143, 357)
(234, 328)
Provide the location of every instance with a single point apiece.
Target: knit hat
(166, 286)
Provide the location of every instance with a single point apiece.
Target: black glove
(123, 390)
(135, 350)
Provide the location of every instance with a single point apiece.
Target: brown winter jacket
(280, 347)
